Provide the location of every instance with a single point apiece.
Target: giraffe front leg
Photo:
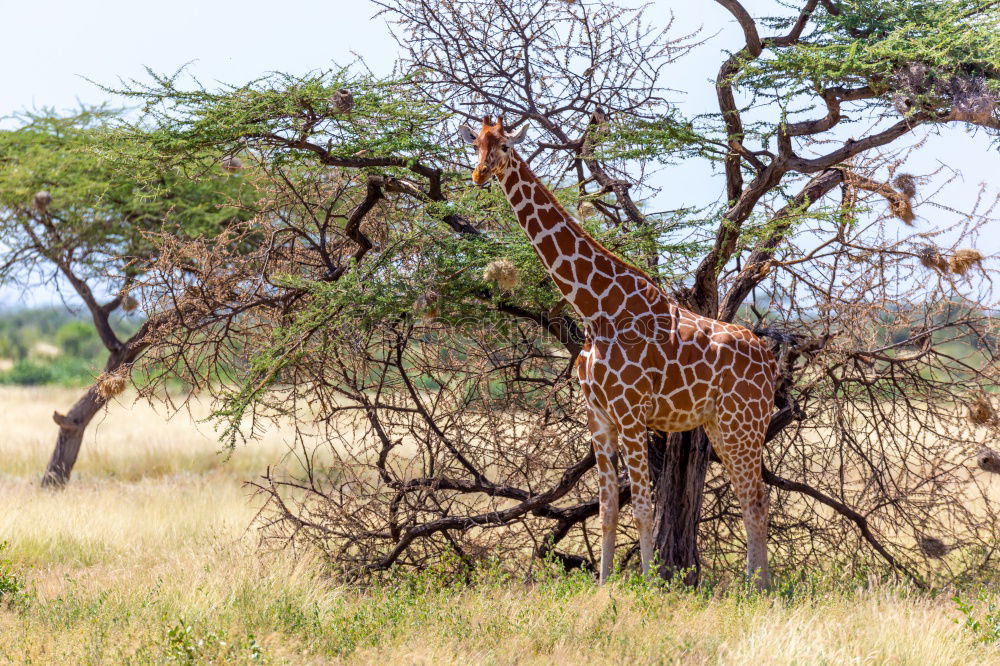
(636, 458)
(605, 438)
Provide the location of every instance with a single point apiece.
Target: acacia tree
(402, 312)
(73, 218)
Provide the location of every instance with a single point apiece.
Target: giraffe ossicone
(647, 363)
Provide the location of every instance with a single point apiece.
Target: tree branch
(772, 479)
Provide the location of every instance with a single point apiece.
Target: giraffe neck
(580, 266)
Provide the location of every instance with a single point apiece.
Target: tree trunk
(678, 462)
(72, 427)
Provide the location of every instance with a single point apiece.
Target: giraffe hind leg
(740, 450)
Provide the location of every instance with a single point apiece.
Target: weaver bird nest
(586, 209)
(964, 260)
(110, 384)
(42, 201)
(502, 273)
(988, 460)
(231, 164)
(426, 305)
(932, 547)
(920, 86)
(906, 184)
(981, 410)
(899, 195)
(960, 262)
(931, 257)
(342, 101)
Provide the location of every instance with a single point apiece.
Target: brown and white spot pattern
(647, 363)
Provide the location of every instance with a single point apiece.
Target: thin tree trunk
(72, 427)
(679, 462)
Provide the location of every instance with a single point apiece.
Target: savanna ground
(148, 557)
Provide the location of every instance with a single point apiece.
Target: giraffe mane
(572, 221)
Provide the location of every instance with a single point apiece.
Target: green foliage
(100, 215)
(97, 231)
(28, 373)
(195, 127)
(79, 354)
(867, 41)
(13, 590)
(62, 370)
(667, 139)
(980, 617)
(78, 338)
(20, 330)
(187, 644)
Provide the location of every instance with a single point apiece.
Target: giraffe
(647, 363)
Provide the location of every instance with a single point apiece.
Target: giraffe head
(493, 145)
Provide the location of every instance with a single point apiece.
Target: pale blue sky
(51, 47)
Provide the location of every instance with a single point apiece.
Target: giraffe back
(670, 369)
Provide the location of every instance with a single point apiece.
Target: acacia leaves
(280, 115)
(865, 43)
(100, 213)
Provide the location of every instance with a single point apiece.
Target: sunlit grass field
(149, 556)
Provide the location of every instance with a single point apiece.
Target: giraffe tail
(787, 348)
(781, 337)
(790, 343)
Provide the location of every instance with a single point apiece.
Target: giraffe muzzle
(481, 176)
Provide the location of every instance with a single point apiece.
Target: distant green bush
(61, 370)
(28, 373)
(79, 339)
(80, 357)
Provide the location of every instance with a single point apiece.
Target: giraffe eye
(504, 148)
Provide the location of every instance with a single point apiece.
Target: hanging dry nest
(231, 164)
(586, 209)
(427, 306)
(342, 101)
(42, 201)
(921, 337)
(501, 272)
(901, 207)
(981, 410)
(110, 384)
(899, 202)
(129, 304)
(972, 100)
(932, 546)
(988, 460)
(921, 87)
(906, 184)
(964, 260)
(931, 257)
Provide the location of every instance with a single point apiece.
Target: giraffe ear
(518, 136)
(466, 133)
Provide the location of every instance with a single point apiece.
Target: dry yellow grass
(146, 558)
(128, 441)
